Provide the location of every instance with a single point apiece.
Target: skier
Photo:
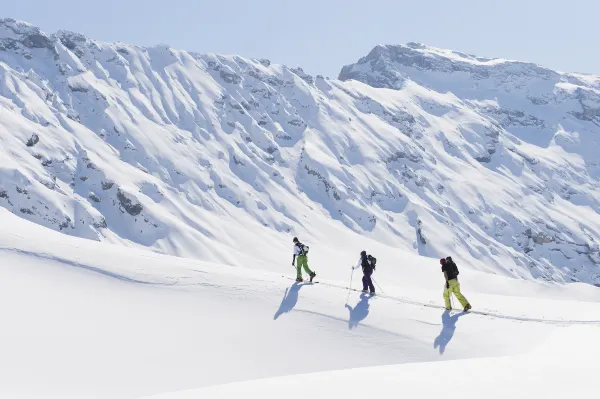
(367, 262)
(301, 252)
(452, 286)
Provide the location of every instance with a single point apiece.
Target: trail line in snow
(81, 265)
(477, 312)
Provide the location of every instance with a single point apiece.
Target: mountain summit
(225, 158)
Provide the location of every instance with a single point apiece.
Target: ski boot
(299, 280)
(365, 291)
(372, 293)
(468, 307)
(312, 275)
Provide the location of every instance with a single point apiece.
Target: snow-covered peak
(225, 158)
(388, 66)
(13, 33)
(12, 26)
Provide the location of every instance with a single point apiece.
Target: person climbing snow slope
(367, 262)
(452, 286)
(301, 256)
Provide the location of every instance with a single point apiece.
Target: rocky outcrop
(132, 207)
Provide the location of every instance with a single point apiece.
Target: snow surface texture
(82, 319)
(427, 150)
(547, 372)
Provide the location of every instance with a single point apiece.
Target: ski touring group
(368, 262)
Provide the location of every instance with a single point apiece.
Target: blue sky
(322, 36)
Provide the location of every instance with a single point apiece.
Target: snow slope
(548, 371)
(185, 154)
(96, 320)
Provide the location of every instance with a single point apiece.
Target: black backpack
(372, 261)
(303, 249)
(453, 269)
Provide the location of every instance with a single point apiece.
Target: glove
(447, 285)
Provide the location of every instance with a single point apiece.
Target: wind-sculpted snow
(225, 158)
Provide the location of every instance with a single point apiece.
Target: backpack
(372, 261)
(453, 269)
(303, 249)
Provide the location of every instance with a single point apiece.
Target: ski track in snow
(77, 265)
(565, 322)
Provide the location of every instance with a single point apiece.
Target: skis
(458, 311)
(301, 282)
(361, 291)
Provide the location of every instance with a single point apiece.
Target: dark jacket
(451, 269)
(366, 265)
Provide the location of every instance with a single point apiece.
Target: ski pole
(350, 286)
(377, 285)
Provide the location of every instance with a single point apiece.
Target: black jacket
(366, 265)
(451, 269)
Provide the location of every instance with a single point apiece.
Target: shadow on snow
(448, 328)
(290, 299)
(359, 312)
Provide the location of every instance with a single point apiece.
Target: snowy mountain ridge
(399, 58)
(427, 150)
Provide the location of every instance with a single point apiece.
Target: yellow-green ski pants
(454, 289)
(302, 262)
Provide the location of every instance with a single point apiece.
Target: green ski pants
(454, 289)
(302, 262)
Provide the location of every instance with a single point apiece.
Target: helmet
(363, 253)
(295, 239)
(442, 261)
